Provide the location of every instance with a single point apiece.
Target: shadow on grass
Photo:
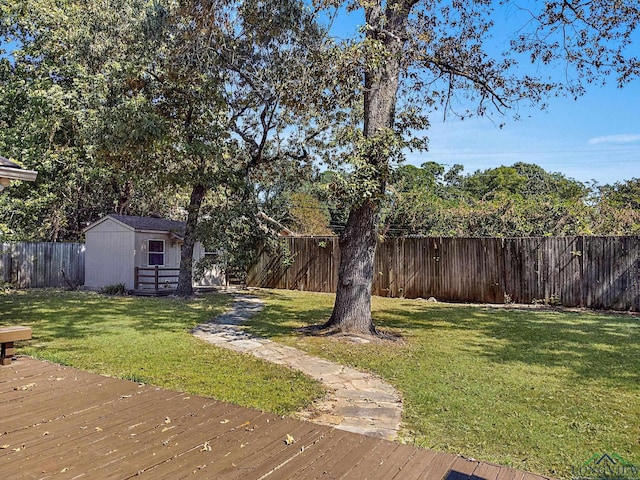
(281, 317)
(593, 346)
(77, 315)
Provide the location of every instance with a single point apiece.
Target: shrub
(116, 289)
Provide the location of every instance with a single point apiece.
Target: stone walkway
(358, 402)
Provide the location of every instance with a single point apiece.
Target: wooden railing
(156, 277)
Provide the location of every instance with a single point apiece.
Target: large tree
(66, 103)
(416, 57)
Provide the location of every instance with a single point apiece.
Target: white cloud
(627, 138)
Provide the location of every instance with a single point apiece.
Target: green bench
(8, 335)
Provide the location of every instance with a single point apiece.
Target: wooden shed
(143, 253)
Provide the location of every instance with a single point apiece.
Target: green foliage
(309, 216)
(618, 209)
(521, 200)
(65, 108)
(118, 289)
(122, 104)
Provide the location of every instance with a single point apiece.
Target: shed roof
(5, 162)
(153, 224)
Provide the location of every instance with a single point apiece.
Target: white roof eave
(9, 173)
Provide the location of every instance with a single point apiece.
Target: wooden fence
(594, 272)
(41, 265)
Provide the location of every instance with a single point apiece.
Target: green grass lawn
(148, 340)
(539, 390)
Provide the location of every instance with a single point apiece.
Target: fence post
(136, 278)
(157, 277)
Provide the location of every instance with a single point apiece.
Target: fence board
(40, 265)
(595, 272)
(5, 267)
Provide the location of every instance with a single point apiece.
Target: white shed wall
(109, 257)
(212, 277)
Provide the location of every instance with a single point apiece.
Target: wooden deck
(62, 423)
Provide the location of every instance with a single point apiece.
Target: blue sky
(596, 137)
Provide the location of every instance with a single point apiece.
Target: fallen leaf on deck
(205, 447)
(289, 440)
(224, 421)
(26, 387)
(167, 420)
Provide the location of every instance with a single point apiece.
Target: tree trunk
(185, 277)
(352, 309)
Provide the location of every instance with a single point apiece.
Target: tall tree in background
(177, 98)
(264, 67)
(618, 209)
(66, 107)
(521, 200)
(416, 57)
(216, 82)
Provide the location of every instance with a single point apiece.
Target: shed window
(156, 252)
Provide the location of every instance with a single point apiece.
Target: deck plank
(332, 446)
(62, 423)
(366, 466)
(507, 473)
(486, 471)
(462, 469)
(109, 416)
(229, 450)
(159, 442)
(395, 463)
